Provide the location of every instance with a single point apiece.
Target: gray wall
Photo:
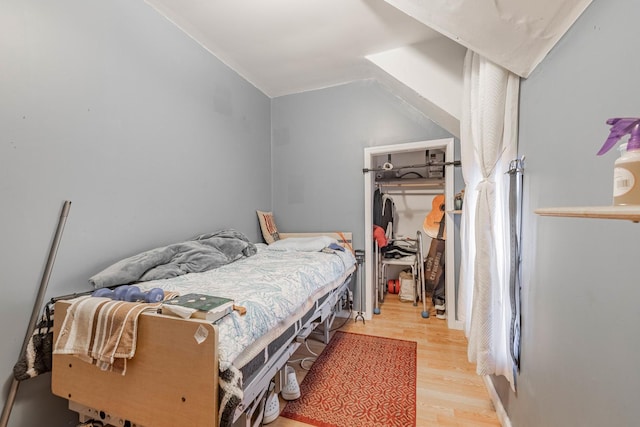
(154, 140)
(318, 152)
(580, 311)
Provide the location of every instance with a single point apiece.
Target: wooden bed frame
(170, 382)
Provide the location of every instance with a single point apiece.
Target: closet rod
(422, 184)
(422, 193)
(454, 163)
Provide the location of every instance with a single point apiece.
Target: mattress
(276, 287)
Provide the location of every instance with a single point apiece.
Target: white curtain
(488, 143)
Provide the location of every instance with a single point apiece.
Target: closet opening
(415, 180)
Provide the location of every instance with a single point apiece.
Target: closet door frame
(370, 153)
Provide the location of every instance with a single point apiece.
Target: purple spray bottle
(626, 172)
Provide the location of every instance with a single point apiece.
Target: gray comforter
(200, 254)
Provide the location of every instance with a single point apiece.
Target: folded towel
(116, 332)
(77, 329)
(102, 331)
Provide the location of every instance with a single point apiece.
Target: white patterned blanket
(276, 288)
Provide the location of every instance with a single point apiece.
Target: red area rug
(359, 381)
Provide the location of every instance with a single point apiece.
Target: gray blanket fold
(203, 253)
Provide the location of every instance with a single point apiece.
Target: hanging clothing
(377, 208)
(379, 236)
(388, 215)
(383, 212)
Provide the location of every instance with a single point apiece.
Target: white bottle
(626, 177)
(626, 172)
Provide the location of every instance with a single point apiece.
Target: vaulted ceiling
(290, 46)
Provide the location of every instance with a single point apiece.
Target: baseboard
(497, 403)
(455, 323)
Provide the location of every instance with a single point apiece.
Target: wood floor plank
(448, 391)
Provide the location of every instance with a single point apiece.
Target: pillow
(305, 244)
(268, 227)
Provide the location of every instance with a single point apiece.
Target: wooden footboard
(171, 381)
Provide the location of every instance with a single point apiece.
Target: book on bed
(199, 306)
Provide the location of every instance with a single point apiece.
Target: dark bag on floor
(37, 357)
(434, 265)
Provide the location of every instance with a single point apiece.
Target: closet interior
(412, 207)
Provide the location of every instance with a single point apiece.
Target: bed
(191, 372)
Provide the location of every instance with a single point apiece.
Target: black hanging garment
(383, 212)
(388, 215)
(377, 208)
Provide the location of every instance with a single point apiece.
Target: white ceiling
(290, 46)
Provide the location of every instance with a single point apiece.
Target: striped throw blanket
(102, 331)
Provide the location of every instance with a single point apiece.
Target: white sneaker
(440, 307)
(271, 409)
(291, 389)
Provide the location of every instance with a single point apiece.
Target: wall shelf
(631, 213)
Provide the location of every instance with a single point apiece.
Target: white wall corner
(516, 35)
(433, 70)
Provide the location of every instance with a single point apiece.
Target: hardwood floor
(449, 392)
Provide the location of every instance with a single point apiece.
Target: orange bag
(393, 286)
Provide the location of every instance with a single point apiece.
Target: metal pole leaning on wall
(360, 283)
(13, 390)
